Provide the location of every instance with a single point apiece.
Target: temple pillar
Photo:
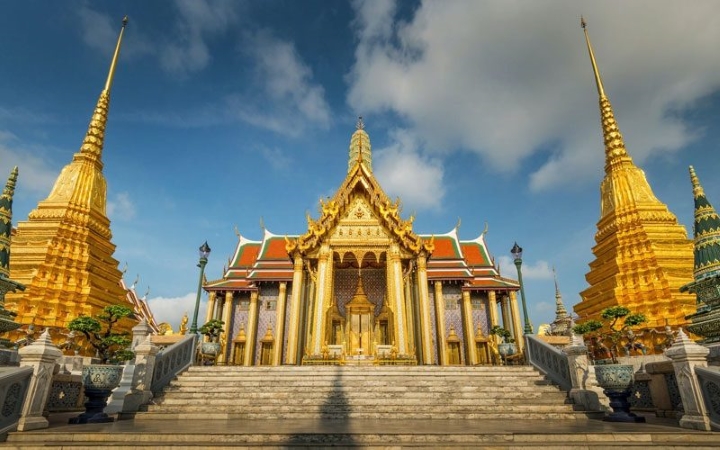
(440, 325)
(517, 328)
(279, 324)
(225, 337)
(323, 293)
(409, 317)
(492, 310)
(249, 358)
(294, 324)
(469, 330)
(396, 295)
(424, 303)
(506, 317)
(209, 314)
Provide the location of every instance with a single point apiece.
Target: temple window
(270, 305)
(244, 305)
(476, 303)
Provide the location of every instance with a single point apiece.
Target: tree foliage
(504, 333)
(111, 346)
(616, 322)
(212, 329)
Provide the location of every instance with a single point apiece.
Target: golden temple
(63, 253)
(642, 254)
(361, 286)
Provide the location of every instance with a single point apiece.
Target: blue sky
(224, 112)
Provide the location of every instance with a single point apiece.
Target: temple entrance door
(361, 333)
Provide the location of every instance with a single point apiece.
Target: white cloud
(34, 174)
(276, 157)
(539, 270)
(290, 100)
(172, 309)
(404, 172)
(507, 79)
(198, 21)
(121, 207)
(100, 32)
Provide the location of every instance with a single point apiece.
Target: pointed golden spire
(360, 149)
(92, 145)
(614, 144)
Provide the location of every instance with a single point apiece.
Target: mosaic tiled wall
(240, 314)
(480, 313)
(453, 315)
(373, 283)
(288, 302)
(267, 314)
(433, 323)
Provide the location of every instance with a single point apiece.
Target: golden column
(210, 314)
(507, 322)
(294, 325)
(517, 328)
(280, 324)
(424, 300)
(249, 360)
(440, 323)
(322, 296)
(409, 316)
(396, 296)
(492, 309)
(469, 331)
(225, 337)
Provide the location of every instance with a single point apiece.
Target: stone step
(391, 408)
(298, 383)
(478, 415)
(354, 396)
(364, 369)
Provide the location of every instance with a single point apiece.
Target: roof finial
(108, 83)
(598, 80)
(697, 188)
(360, 125)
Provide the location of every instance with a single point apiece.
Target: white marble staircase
(361, 392)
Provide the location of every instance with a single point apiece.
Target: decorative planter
(617, 381)
(99, 380)
(210, 348)
(507, 349)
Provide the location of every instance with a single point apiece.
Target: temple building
(706, 285)
(360, 285)
(63, 253)
(642, 254)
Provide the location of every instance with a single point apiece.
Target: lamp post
(517, 256)
(204, 253)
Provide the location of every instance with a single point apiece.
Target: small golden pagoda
(642, 254)
(63, 253)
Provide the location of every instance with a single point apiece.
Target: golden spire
(360, 149)
(111, 74)
(614, 144)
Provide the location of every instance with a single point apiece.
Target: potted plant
(507, 346)
(111, 347)
(212, 330)
(616, 379)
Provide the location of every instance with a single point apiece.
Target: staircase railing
(552, 362)
(14, 383)
(709, 379)
(172, 360)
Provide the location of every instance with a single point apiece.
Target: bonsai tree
(111, 346)
(611, 328)
(212, 329)
(503, 333)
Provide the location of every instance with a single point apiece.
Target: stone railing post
(140, 392)
(584, 391)
(686, 355)
(42, 355)
(659, 387)
(139, 333)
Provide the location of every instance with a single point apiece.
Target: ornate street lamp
(204, 253)
(517, 256)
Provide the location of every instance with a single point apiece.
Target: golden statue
(183, 324)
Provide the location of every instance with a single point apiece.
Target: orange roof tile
(445, 248)
(474, 254)
(247, 255)
(274, 248)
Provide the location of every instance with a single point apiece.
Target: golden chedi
(63, 253)
(642, 254)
